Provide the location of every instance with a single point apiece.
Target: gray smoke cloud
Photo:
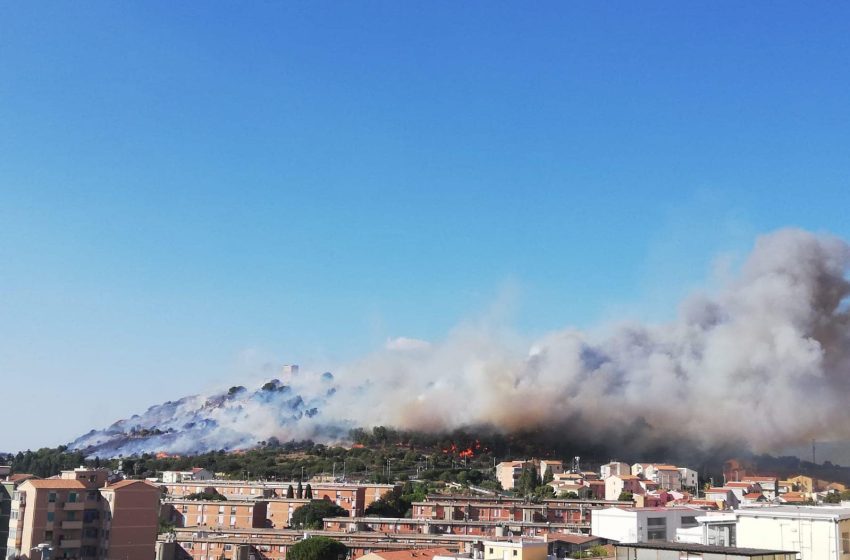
(764, 359)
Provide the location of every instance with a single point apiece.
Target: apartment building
(279, 511)
(238, 514)
(629, 525)
(817, 533)
(77, 516)
(508, 472)
(196, 473)
(272, 544)
(616, 485)
(129, 520)
(354, 498)
(9, 484)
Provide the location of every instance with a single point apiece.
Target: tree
(568, 495)
(308, 492)
(317, 548)
(625, 497)
(310, 516)
(299, 493)
(548, 476)
(290, 492)
(527, 481)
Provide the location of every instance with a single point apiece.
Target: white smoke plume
(764, 359)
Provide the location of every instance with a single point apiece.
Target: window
(51, 497)
(50, 516)
(71, 516)
(656, 534)
(72, 497)
(689, 521)
(656, 521)
(514, 552)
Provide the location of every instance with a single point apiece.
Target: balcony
(72, 524)
(74, 506)
(70, 543)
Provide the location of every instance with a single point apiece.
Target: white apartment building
(818, 533)
(630, 525)
(614, 468)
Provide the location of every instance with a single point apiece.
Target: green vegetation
(213, 496)
(625, 497)
(317, 548)
(397, 503)
(597, 551)
(310, 516)
(46, 462)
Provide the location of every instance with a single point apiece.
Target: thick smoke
(765, 359)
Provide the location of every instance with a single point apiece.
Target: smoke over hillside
(764, 360)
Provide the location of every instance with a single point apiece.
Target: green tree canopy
(308, 492)
(548, 476)
(290, 492)
(527, 481)
(317, 548)
(310, 516)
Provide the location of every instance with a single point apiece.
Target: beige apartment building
(78, 516)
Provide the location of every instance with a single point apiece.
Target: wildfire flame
(467, 453)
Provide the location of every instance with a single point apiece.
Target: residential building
(508, 472)
(614, 468)
(411, 554)
(240, 514)
(689, 478)
(196, 473)
(522, 549)
(556, 466)
(630, 524)
(682, 551)
(714, 528)
(129, 520)
(8, 486)
(769, 485)
(818, 533)
(616, 485)
(80, 517)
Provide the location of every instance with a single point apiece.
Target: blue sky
(189, 190)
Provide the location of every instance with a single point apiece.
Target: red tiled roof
(126, 483)
(413, 554)
(753, 495)
(20, 476)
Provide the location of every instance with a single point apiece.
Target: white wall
(815, 539)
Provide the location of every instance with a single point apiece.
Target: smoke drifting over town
(764, 359)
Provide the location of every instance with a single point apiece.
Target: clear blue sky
(185, 185)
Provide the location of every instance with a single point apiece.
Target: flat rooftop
(709, 548)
